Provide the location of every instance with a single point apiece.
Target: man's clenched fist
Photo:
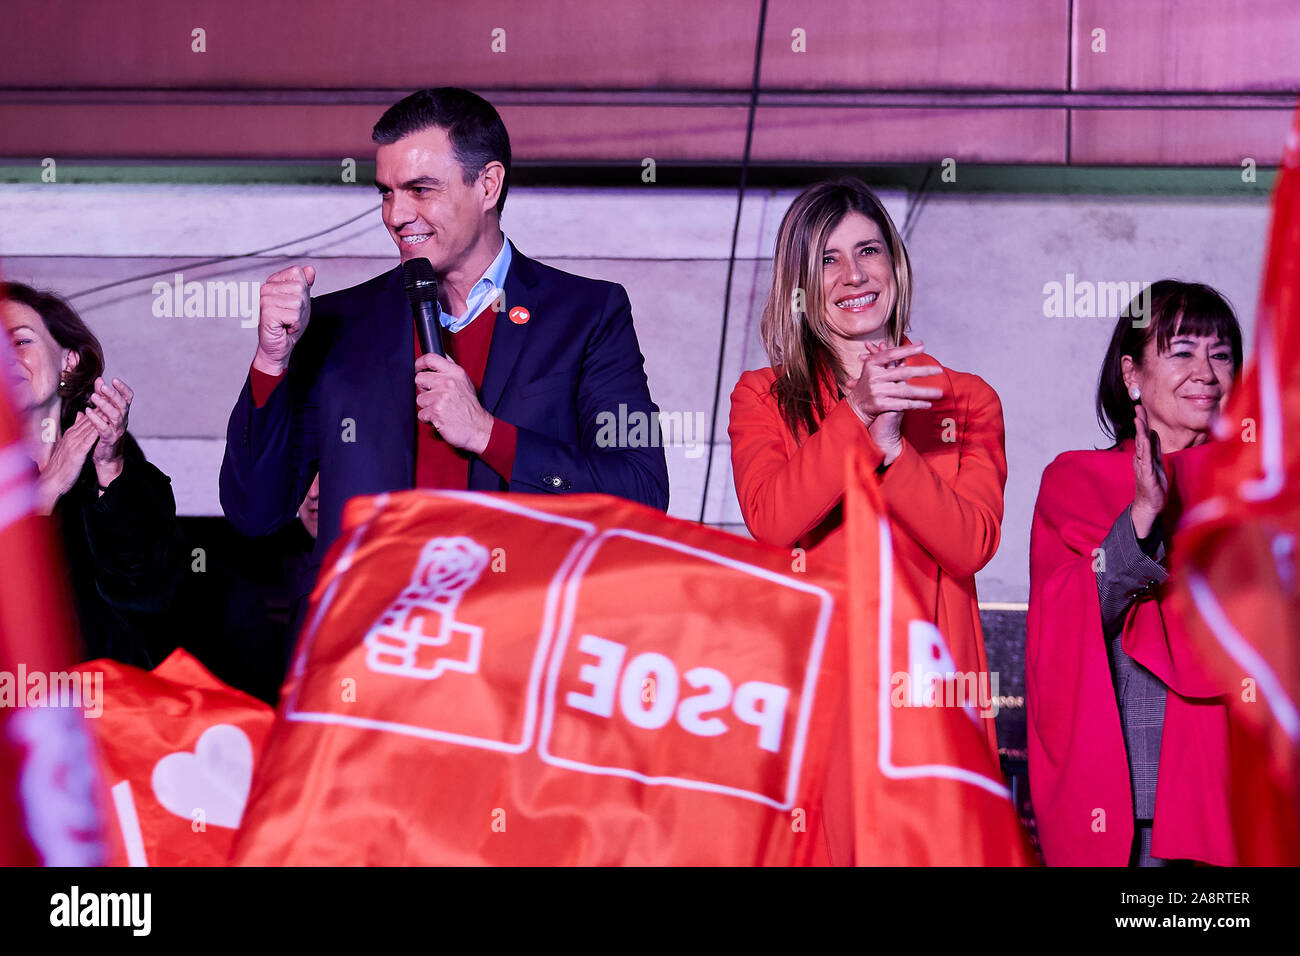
(285, 310)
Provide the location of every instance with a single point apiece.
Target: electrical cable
(731, 261)
(915, 203)
(211, 262)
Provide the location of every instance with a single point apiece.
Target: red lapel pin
(519, 315)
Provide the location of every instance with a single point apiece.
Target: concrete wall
(981, 263)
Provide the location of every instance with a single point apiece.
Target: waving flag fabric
(927, 790)
(177, 750)
(550, 680)
(1235, 555)
(581, 680)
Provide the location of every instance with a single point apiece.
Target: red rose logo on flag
(418, 635)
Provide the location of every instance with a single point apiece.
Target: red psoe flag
(48, 812)
(529, 679)
(1234, 588)
(926, 789)
(177, 751)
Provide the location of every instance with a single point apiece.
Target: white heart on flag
(215, 778)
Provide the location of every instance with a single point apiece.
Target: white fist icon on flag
(423, 617)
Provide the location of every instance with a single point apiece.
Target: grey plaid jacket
(1129, 574)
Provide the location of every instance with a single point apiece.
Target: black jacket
(126, 558)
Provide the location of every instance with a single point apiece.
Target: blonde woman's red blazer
(944, 491)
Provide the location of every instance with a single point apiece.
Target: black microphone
(422, 291)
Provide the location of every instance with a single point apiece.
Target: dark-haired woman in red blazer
(1128, 758)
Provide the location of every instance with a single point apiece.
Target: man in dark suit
(536, 359)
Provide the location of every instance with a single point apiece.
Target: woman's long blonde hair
(797, 340)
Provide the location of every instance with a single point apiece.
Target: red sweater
(437, 463)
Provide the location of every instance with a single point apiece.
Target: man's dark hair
(477, 134)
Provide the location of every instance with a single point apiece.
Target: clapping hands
(881, 394)
(1151, 485)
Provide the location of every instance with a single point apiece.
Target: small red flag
(927, 789)
(1235, 554)
(177, 750)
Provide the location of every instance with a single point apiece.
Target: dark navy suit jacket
(347, 405)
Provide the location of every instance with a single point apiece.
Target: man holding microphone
(340, 384)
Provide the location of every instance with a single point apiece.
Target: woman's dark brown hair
(1167, 309)
(67, 329)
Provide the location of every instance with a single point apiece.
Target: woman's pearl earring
(1135, 393)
